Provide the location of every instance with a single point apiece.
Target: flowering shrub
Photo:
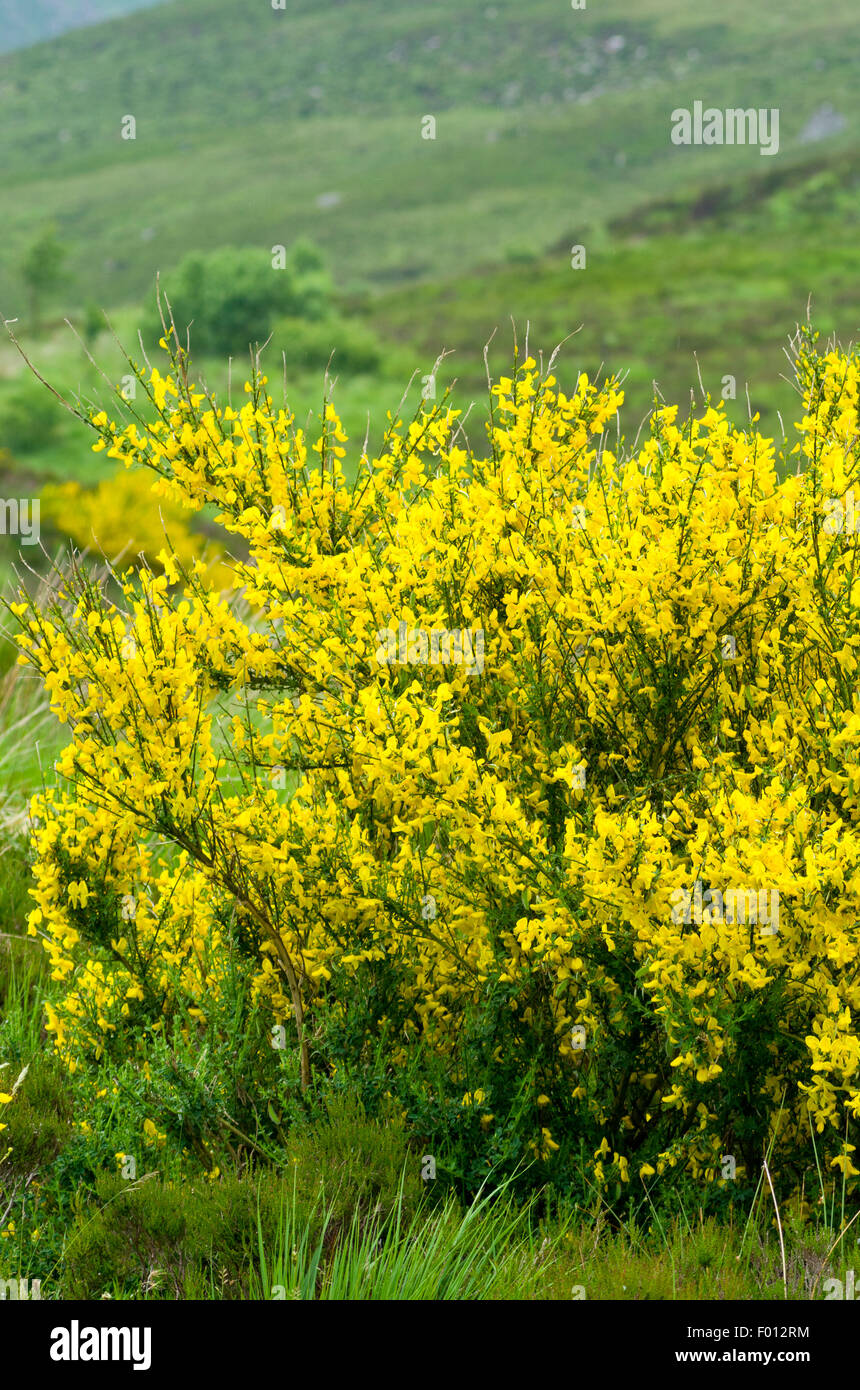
(604, 880)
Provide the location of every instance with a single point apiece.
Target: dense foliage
(462, 780)
(228, 299)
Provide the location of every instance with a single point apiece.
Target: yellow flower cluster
(666, 722)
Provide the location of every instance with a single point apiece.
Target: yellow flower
(474, 1098)
(152, 1133)
(79, 894)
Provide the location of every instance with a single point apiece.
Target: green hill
(717, 277)
(21, 25)
(255, 125)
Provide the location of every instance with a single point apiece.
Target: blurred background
(428, 171)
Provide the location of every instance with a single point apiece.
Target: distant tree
(93, 324)
(306, 258)
(231, 297)
(30, 417)
(43, 271)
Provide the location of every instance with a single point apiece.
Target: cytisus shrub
(538, 760)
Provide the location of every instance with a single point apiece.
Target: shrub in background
(350, 346)
(231, 297)
(30, 417)
(123, 518)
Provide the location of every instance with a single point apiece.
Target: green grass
(490, 1249)
(651, 306)
(23, 977)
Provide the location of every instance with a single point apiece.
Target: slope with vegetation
(38, 20)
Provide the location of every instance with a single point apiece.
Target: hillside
(255, 125)
(719, 275)
(21, 25)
